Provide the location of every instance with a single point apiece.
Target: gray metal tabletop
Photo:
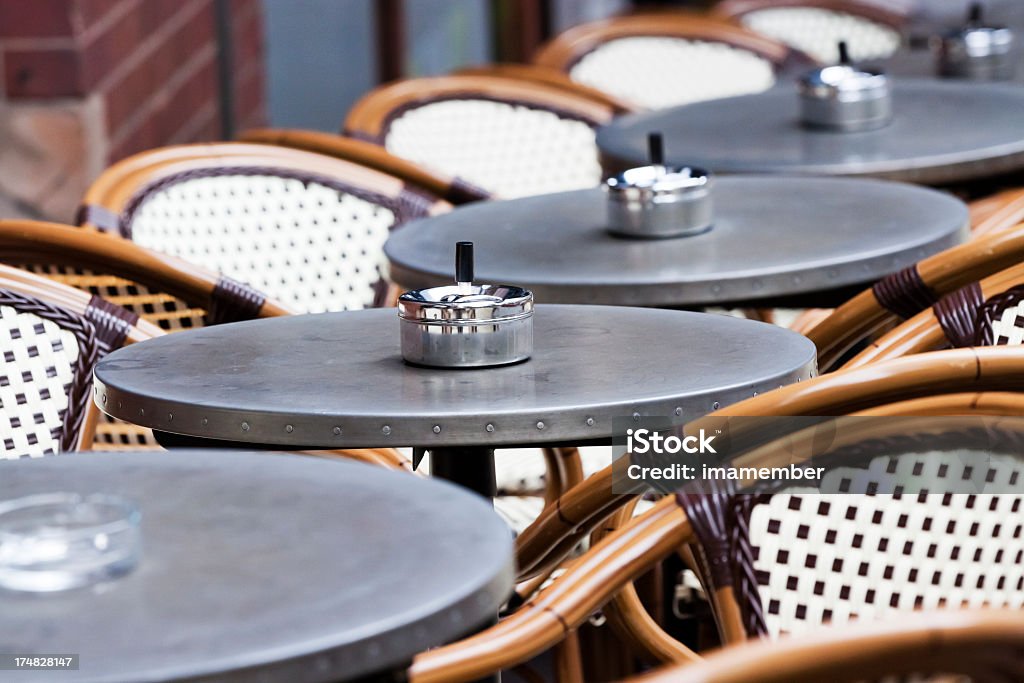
(260, 566)
(773, 236)
(337, 380)
(942, 132)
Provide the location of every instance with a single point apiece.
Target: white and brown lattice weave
(46, 357)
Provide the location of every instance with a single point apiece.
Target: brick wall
(110, 78)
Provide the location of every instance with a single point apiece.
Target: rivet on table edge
(716, 405)
(437, 429)
(206, 421)
(678, 411)
(590, 422)
(540, 425)
(386, 429)
(142, 411)
(489, 427)
(245, 426)
(289, 428)
(636, 417)
(170, 417)
(337, 431)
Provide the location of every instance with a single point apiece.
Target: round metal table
(337, 380)
(259, 566)
(942, 132)
(773, 237)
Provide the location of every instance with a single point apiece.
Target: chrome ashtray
(466, 325)
(976, 52)
(57, 541)
(845, 97)
(659, 201)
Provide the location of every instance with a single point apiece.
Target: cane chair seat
(509, 137)
(46, 356)
(663, 60)
(725, 71)
(158, 289)
(816, 28)
(906, 524)
(305, 228)
(50, 338)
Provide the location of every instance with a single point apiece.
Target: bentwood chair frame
(881, 14)
(983, 645)
(373, 118)
(97, 327)
(983, 313)
(593, 579)
(145, 283)
(114, 264)
(903, 294)
(122, 193)
(549, 76)
(565, 51)
(449, 188)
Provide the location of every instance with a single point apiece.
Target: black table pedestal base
(472, 468)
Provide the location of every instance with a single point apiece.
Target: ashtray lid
(842, 81)
(466, 303)
(976, 39)
(657, 179)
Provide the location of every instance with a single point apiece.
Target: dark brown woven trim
(145, 193)
(904, 293)
(463, 192)
(85, 336)
(991, 311)
(740, 505)
(409, 204)
(777, 66)
(707, 513)
(745, 587)
(405, 107)
(957, 313)
(112, 323)
(98, 216)
(232, 301)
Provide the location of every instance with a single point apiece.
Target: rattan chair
(551, 77)
(904, 294)
(305, 228)
(985, 313)
(981, 645)
(451, 189)
(871, 29)
(51, 336)
(595, 577)
(667, 59)
(513, 138)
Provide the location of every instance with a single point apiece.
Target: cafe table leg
(472, 468)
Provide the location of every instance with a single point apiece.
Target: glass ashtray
(57, 541)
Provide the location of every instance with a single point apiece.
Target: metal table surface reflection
(337, 380)
(942, 132)
(773, 236)
(259, 566)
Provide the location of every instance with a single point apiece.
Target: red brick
(249, 99)
(247, 41)
(89, 12)
(127, 94)
(42, 73)
(35, 18)
(133, 31)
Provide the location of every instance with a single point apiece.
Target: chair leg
(568, 662)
